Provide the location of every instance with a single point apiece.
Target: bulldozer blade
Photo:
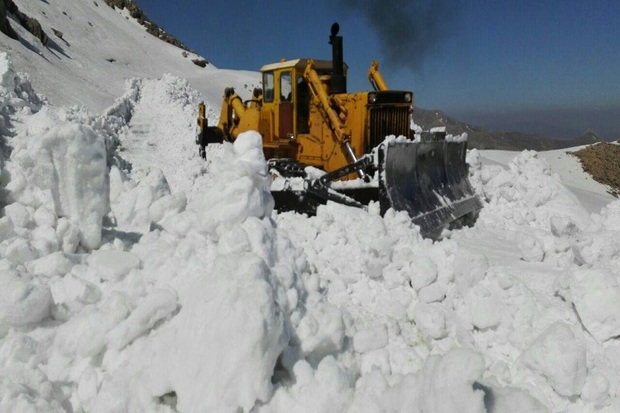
(429, 180)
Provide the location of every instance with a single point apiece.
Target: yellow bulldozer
(307, 119)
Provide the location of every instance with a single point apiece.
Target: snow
(138, 277)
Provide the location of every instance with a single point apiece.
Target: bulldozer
(324, 144)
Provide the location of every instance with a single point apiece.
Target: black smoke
(408, 30)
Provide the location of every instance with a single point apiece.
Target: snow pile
(58, 187)
(137, 277)
(528, 193)
(228, 298)
(56, 181)
(16, 93)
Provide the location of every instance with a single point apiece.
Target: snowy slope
(99, 50)
(138, 278)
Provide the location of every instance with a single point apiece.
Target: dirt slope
(602, 161)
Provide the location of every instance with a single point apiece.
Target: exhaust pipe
(338, 83)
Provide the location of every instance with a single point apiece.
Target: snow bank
(64, 169)
(179, 288)
(228, 298)
(57, 171)
(529, 192)
(16, 94)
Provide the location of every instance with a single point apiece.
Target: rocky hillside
(136, 12)
(5, 27)
(488, 139)
(152, 28)
(31, 24)
(602, 162)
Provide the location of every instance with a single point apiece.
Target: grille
(386, 121)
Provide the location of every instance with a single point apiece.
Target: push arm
(376, 80)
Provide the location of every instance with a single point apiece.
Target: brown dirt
(602, 162)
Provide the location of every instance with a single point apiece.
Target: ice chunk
(20, 251)
(17, 347)
(23, 301)
(68, 235)
(532, 249)
(321, 331)
(596, 390)
(469, 269)
(433, 293)
(369, 339)
(71, 288)
(19, 215)
(242, 188)
(430, 319)
(563, 226)
(113, 265)
(44, 217)
(167, 206)
(88, 385)
(559, 355)
(44, 240)
(71, 163)
(136, 207)
(85, 333)
(328, 389)
(424, 272)
(159, 304)
(448, 384)
(56, 264)
(596, 295)
(484, 307)
(7, 229)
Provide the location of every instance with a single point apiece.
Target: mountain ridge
(482, 138)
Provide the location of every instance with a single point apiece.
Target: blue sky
(542, 66)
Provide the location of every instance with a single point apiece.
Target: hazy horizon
(557, 123)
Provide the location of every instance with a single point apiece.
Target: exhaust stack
(338, 82)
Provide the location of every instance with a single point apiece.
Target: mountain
(482, 138)
(98, 49)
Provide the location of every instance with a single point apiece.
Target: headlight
(408, 97)
(372, 97)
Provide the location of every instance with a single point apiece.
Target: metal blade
(429, 180)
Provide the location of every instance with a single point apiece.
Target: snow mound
(65, 169)
(529, 192)
(16, 93)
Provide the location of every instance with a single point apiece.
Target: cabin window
(268, 84)
(286, 88)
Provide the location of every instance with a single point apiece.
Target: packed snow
(137, 277)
